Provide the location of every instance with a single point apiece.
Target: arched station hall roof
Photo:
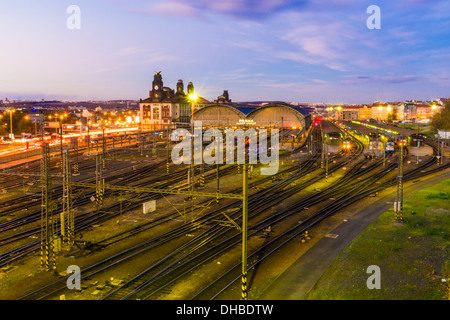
(269, 115)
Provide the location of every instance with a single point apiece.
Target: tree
(19, 122)
(391, 117)
(441, 120)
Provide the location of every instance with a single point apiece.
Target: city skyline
(302, 51)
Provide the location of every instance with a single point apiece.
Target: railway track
(200, 250)
(285, 183)
(355, 193)
(86, 220)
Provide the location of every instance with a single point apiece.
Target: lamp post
(192, 98)
(60, 118)
(103, 146)
(11, 111)
(433, 109)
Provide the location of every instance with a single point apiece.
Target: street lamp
(60, 119)
(433, 109)
(11, 111)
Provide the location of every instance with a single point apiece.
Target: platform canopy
(273, 115)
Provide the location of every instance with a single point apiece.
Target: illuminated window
(156, 113)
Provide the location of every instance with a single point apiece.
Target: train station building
(166, 107)
(169, 108)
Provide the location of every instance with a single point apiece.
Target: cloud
(242, 9)
(170, 8)
(144, 54)
(129, 51)
(323, 39)
(158, 57)
(353, 79)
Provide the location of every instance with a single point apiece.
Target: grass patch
(440, 195)
(413, 257)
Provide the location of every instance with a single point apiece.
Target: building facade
(364, 113)
(406, 111)
(382, 112)
(164, 106)
(348, 115)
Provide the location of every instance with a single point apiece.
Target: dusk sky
(289, 50)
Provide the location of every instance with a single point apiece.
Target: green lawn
(413, 257)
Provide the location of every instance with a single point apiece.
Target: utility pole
(323, 148)
(202, 175)
(88, 138)
(438, 153)
(378, 145)
(217, 170)
(43, 129)
(48, 259)
(418, 141)
(99, 182)
(326, 158)
(168, 149)
(141, 145)
(398, 205)
(75, 168)
(154, 140)
(218, 154)
(244, 230)
(418, 145)
(67, 214)
(114, 148)
(192, 98)
(61, 140)
(103, 148)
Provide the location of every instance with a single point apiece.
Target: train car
(347, 144)
(390, 147)
(334, 138)
(374, 145)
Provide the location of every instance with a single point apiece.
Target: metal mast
(48, 259)
(67, 214)
(398, 207)
(99, 182)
